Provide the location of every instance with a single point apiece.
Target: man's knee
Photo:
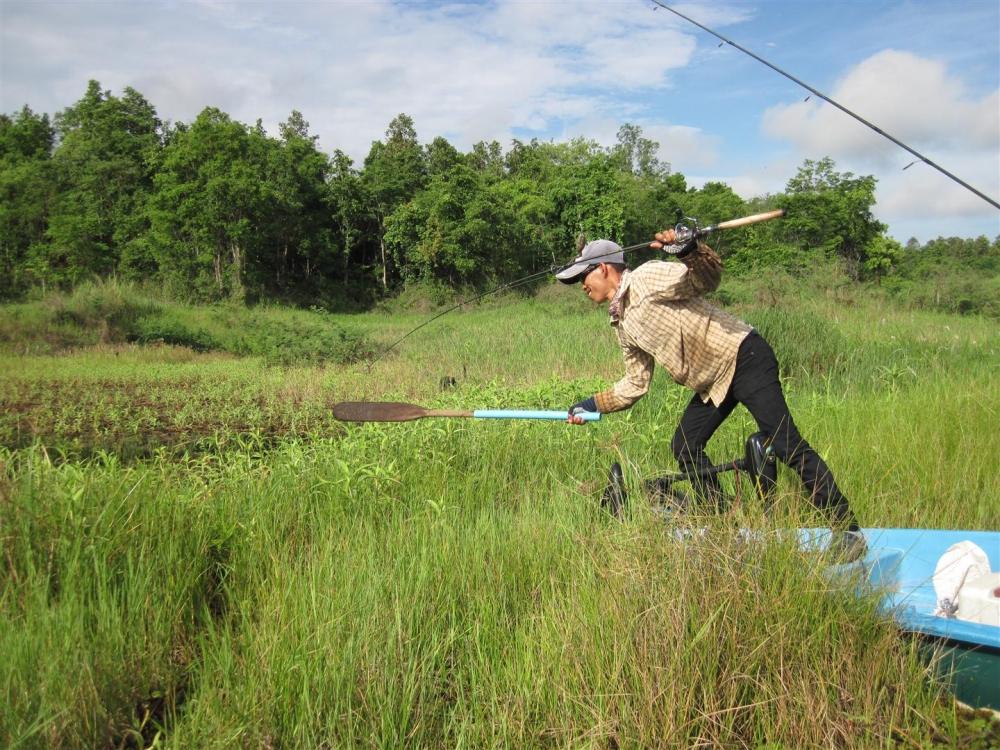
(687, 453)
(790, 449)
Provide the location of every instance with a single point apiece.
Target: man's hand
(666, 237)
(588, 404)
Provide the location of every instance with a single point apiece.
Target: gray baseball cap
(598, 251)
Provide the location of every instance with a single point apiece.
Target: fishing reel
(686, 234)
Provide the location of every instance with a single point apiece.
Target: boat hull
(901, 563)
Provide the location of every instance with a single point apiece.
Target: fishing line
(503, 287)
(839, 106)
(683, 236)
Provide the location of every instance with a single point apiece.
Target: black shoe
(614, 497)
(662, 492)
(706, 498)
(661, 489)
(846, 547)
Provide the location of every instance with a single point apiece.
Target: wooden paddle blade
(381, 411)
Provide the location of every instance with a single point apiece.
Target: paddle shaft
(382, 411)
(509, 414)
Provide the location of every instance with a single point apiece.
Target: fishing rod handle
(734, 223)
(587, 416)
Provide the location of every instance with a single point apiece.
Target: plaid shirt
(660, 315)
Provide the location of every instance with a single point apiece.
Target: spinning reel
(685, 235)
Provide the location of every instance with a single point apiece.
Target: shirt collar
(615, 308)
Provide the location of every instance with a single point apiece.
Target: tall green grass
(403, 588)
(284, 581)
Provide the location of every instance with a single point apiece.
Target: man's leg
(756, 386)
(698, 423)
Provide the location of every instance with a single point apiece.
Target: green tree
(831, 212)
(212, 208)
(353, 222)
(588, 191)
(460, 230)
(441, 157)
(881, 256)
(26, 193)
(299, 234)
(102, 169)
(712, 203)
(654, 194)
(637, 154)
(394, 171)
(487, 158)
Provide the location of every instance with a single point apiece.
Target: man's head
(599, 267)
(595, 253)
(601, 281)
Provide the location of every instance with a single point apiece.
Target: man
(660, 315)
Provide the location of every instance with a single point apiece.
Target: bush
(286, 342)
(954, 292)
(167, 330)
(109, 307)
(111, 311)
(803, 340)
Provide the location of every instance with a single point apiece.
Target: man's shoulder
(651, 266)
(654, 271)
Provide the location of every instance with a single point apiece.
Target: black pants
(756, 386)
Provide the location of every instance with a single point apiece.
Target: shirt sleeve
(704, 269)
(698, 273)
(633, 386)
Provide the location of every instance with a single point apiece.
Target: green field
(195, 554)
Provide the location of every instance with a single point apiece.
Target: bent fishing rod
(684, 235)
(830, 101)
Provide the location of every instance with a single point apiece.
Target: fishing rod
(684, 235)
(839, 106)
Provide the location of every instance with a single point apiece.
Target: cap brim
(572, 274)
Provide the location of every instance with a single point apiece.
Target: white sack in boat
(961, 562)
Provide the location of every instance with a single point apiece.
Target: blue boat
(901, 563)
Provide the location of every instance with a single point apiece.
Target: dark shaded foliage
(219, 210)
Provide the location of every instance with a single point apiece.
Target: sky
(925, 71)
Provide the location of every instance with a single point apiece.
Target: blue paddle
(386, 411)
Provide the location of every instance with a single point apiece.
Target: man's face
(597, 284)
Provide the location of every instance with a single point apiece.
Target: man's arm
(704, 269)
(628, 390)
(633, 386)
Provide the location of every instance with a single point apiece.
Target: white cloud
(685, 148)
(468, 71)
(923, 191)
(914, 99)
(923, 104)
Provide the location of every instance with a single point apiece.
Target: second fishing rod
(686, 232)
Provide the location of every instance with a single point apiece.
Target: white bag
(961, 562)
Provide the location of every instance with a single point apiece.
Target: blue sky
(927, 72)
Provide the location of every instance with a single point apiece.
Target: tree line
(217, 209)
